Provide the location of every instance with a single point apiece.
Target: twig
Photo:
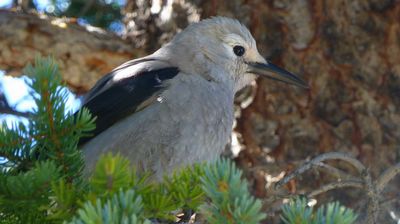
(374, 197)
(372, 189)
(341, 184)
(5, 108)
(335, 171)
(387, 176)
(319, 159)
(11, 111)
(388, 201)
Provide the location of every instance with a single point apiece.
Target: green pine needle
(111, 174)
(123, 207)
(42, 152)
(231, 201)
(25, 195)
(297, 211)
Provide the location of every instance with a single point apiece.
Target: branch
(387, 176)
(364, 181)
(332, 186)
(317, 161)
(83, 53)
(5, 108)
(12, 111)
(335, 171)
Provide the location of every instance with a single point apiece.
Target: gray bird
(175, 106)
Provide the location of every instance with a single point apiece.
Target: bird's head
(224, 49)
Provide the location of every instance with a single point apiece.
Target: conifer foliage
(43, 152)
(41, 177)
(297, 211)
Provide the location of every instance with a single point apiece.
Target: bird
(175, 107)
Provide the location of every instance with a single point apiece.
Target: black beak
(274, 72)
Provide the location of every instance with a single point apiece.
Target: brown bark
(83, 54)
(349, 51)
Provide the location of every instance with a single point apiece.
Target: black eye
(238, 50)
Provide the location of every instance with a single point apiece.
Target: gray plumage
(175, 107)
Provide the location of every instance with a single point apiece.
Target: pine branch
(56, 132)
(124, 207)
(231, 201)
(298, 212)
(42, 153)
(23, 195)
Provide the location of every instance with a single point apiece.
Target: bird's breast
(202, 113)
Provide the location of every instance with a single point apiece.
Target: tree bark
(84, 54)
(349, 51)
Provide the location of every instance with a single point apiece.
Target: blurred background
(348, 51)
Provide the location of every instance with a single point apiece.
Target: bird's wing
(126, 90)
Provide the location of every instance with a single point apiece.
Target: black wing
(112, 100)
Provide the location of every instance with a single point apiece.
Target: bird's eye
(238, 50)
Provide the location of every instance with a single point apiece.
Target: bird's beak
(272, 71)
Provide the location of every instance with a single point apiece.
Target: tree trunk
(349, 52)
